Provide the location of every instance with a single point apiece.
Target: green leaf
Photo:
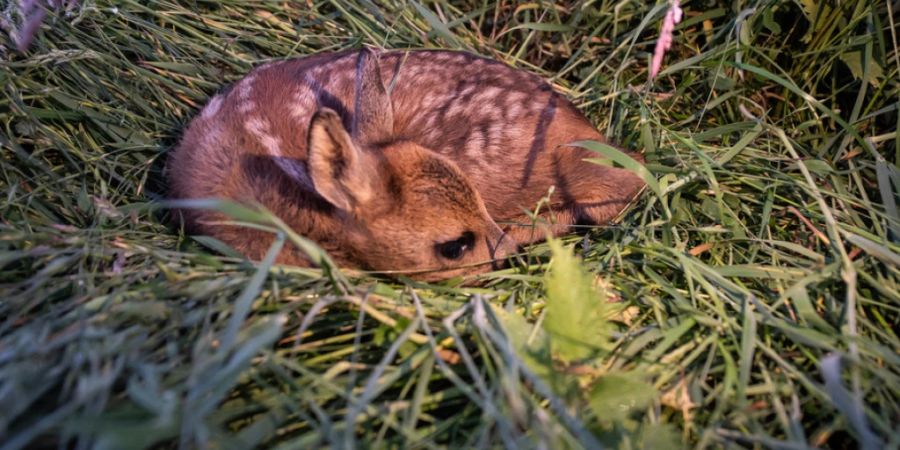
(804, 305)
(616, 395)
(551, 27)
(748, 346)
(768, 21)
(721, 82)
(854, 61)
(251, 217)
(791, 86)
(529, 343)
(810, 9)
(816, 166)
(218, 246)
(229, 208)
(252, 289)
(437, 25)
(148, 311)
(884, 173)
(873, 248)
(659, 436)
(741, 144)
(576, 320)
(843, 400)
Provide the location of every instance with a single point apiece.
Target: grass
(755, 293)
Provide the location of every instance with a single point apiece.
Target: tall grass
(750, 300)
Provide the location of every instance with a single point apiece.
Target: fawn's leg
(584, 194)
(526, 230)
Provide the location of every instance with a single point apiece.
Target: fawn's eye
(456, 248)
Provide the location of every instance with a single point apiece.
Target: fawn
(396, 161)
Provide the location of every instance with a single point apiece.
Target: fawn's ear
(340, 171)
(373, 119)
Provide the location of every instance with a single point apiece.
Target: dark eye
(456, 248)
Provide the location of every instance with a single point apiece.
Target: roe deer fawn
(399, 161)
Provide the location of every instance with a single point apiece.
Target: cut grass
(757, 287)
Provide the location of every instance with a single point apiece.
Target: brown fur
(379, 158)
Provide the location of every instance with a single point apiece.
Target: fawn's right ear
(340, 171)
(373, 119)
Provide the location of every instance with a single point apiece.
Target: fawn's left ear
(341, 172)
(373, 117)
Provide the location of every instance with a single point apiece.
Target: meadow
(748, 299)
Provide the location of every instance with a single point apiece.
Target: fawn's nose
(502, 249)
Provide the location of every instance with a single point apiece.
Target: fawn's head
(404, 208)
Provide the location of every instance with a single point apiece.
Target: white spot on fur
(413, 72)
(513, 111)
(260, 129)
(212, 108)
(457, 109)
(490, 94)
(246, 106)
(304, 102)
(475, 145)
(495, 131)
(244, 90)
(431, 103)
(246, 86)
(269, 65)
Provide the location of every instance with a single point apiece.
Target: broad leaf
(576, 321)
(615, 396)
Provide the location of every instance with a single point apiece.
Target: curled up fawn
(402, 161)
